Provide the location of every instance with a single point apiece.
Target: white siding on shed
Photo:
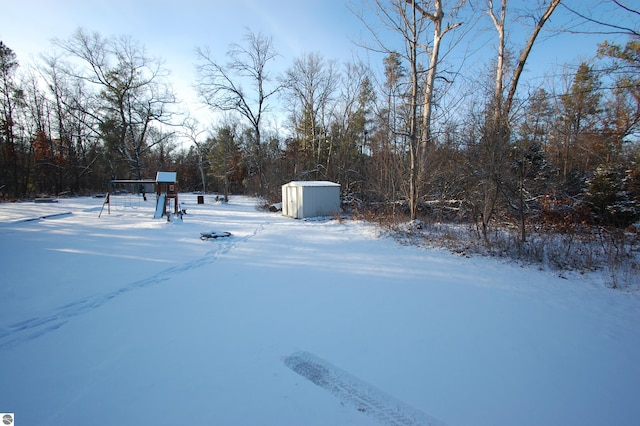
(302, 199)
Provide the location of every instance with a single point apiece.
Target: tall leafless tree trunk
(437, 19)
(413, 117)
(220, 85)
(497, 131)
(410, 18)
(193, 133)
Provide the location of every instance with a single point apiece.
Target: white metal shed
(302, 199)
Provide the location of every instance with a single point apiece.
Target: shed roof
(166, 177)
(312, 183)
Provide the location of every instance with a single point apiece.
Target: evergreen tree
(610, 198)
(580, 108)
(225, 158)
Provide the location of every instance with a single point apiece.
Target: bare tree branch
(619, 29)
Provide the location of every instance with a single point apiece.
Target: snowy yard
(127, 320)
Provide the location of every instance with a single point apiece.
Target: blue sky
(172, 29)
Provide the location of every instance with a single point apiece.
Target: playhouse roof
(166, 177)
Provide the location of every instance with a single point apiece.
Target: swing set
(130, 193)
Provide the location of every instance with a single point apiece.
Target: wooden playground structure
(165, 187)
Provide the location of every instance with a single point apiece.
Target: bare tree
(69, 124)
(497, 129)
(193, 132)
(411, 18)
(402, 17)
(436, 16)
(605, 23)
(131, 91)
(10, 96)
(311, 83)
(220, 86)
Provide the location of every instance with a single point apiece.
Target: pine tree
(580, 108)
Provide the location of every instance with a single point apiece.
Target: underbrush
(581, 249)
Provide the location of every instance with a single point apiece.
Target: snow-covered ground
(127, 320)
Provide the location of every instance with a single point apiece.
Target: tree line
(403, 141)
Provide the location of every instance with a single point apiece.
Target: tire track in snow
(357, 393)
(32, 328)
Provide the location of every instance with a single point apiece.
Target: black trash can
(200, 199)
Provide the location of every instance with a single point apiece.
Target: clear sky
(172, 29)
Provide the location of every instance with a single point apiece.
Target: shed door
(292, 199)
